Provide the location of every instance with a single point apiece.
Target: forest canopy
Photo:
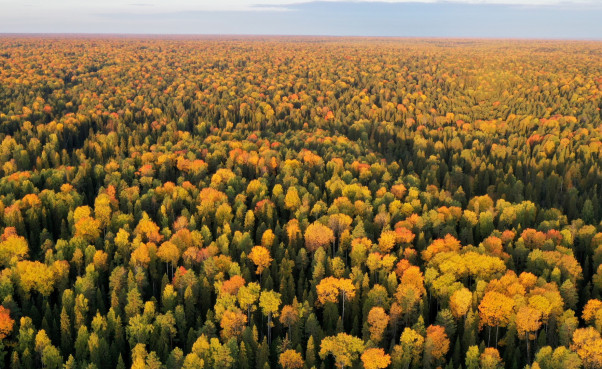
(289, 202)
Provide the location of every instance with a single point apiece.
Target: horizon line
(292, 35)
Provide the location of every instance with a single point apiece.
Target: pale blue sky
(572, 19)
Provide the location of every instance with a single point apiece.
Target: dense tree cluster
(300, 203)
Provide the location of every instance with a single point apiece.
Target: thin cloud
(428, 18)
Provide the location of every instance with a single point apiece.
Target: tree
(387, 241)
(588, 345)
(232, 323)
(495, 310)
(267, 239)
(34, 275)
(261, 258)
(51, 358)
(399, 190)
(292, 200)
(460, 301)
(377, 321)
(591, 313)
(6, 323)
(490, 359)
(330, 289)
(247, 297)
(291, 359)
(410, 290)
(559, 358)
(139, 330)
(318, 235)
(192, 361)
(221, 356)
(436, 345)
(169, 254)
(289, 316)
(412, 346)
(233, 285)
(528, 322)
(347, 291)
(446, 244)
(375, 358)
(148, 230)
(87, 228)
(472, 360)
(339, 223)
(102, 209)
(345, 348)
(12, 247)
(269, 302)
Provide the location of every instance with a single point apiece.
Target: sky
(549, 19)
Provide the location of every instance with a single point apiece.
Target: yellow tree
(375, 358)
(169, 253)
(269, 302)
(410, 290)
(377, 323)
(12, 248)
(293, 232)
(528, 322)
(347, 291)
(387, 241)
(232, 323)
(339, 223)
(148, 230)
(261, 258)
(344, 347)
(35, 275)
(102, 209)
(87, 228)
(292, 200)
(495, 310)
(460, 302)
(267, 239)
(592, 313)
(412, 344)
(490, 359)
(330, 288)
(587, 343)
(318, 235)
(291, 359)
(81, 212)
(247, 297)
(141, 256)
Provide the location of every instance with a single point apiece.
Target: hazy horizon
(499, 19)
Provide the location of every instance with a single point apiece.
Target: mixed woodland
(288, 202)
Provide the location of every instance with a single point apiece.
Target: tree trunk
(269, 328)
(343, 318)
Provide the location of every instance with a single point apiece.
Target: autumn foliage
(299, 202)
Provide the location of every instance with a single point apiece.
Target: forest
(300, 202)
